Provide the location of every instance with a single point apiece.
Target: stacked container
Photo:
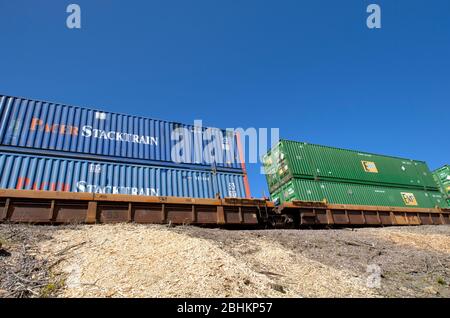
(308, 172)
(442, 178)
(55, 147)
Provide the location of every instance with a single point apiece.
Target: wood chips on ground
(131, 260)
(437, 242)
(153, 261)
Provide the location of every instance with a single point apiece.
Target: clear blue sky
(311, 68)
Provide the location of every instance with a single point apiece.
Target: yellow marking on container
(409, 199)
(369, 166)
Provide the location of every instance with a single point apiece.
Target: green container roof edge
(443, 168)
(315, 160)
(346, 149)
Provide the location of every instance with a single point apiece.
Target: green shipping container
(442, 178)
(357, 194)
(289, 159)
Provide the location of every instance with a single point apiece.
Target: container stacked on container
(442, 178)
(54, 147)
(308, 172)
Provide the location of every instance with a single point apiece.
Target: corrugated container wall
(357, 194)
(62, 129)
(297, 159)
(25, 172)
(442, 177)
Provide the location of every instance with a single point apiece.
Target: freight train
(48, 149)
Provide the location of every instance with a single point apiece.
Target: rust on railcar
(58, 207)
(320, 213)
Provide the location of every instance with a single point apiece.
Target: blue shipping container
(32, 124)
(25, 172)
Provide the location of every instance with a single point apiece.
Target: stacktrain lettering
(91, 132)
(82, 186)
